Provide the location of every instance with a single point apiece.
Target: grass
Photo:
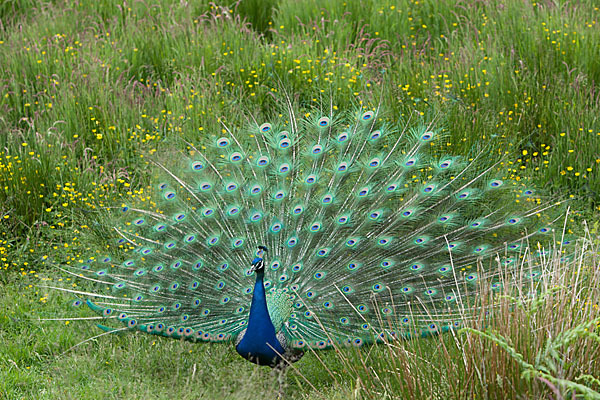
(88, 89)
(517, 346)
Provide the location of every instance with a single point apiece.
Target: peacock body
(356, 229)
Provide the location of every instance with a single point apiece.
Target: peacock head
(258, 264)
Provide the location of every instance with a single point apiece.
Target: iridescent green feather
(367, 220)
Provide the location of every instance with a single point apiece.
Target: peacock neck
(259, 313)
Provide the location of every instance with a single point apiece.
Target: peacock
(313, 229)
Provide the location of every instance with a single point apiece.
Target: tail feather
(366, 220)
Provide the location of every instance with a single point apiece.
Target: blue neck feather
(260, 332)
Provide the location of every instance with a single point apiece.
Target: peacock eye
(284, 143)
(235, 157)
(276, 227)
(367, 115)
(323, 122)
(256, 217)
(262, 161)
(222, 142)
(427, 136)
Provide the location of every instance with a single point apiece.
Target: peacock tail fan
(366, 218)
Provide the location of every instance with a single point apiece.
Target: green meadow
(90, 90)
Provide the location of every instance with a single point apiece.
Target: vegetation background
(89, 89)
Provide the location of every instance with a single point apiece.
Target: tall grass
(531, 341)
